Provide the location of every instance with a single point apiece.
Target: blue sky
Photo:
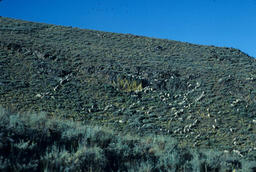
(229, 23)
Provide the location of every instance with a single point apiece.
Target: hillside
(203, 96)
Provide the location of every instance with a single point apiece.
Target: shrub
(128, 85)
(36, 142)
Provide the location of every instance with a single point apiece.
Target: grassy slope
(204, 96)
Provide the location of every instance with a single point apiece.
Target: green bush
(37, 142)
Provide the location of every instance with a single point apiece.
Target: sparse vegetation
(125, 102)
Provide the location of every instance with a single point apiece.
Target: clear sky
(229, 23)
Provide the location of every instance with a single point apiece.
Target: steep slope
(204, 96)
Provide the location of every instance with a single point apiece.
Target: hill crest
(202, 95)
